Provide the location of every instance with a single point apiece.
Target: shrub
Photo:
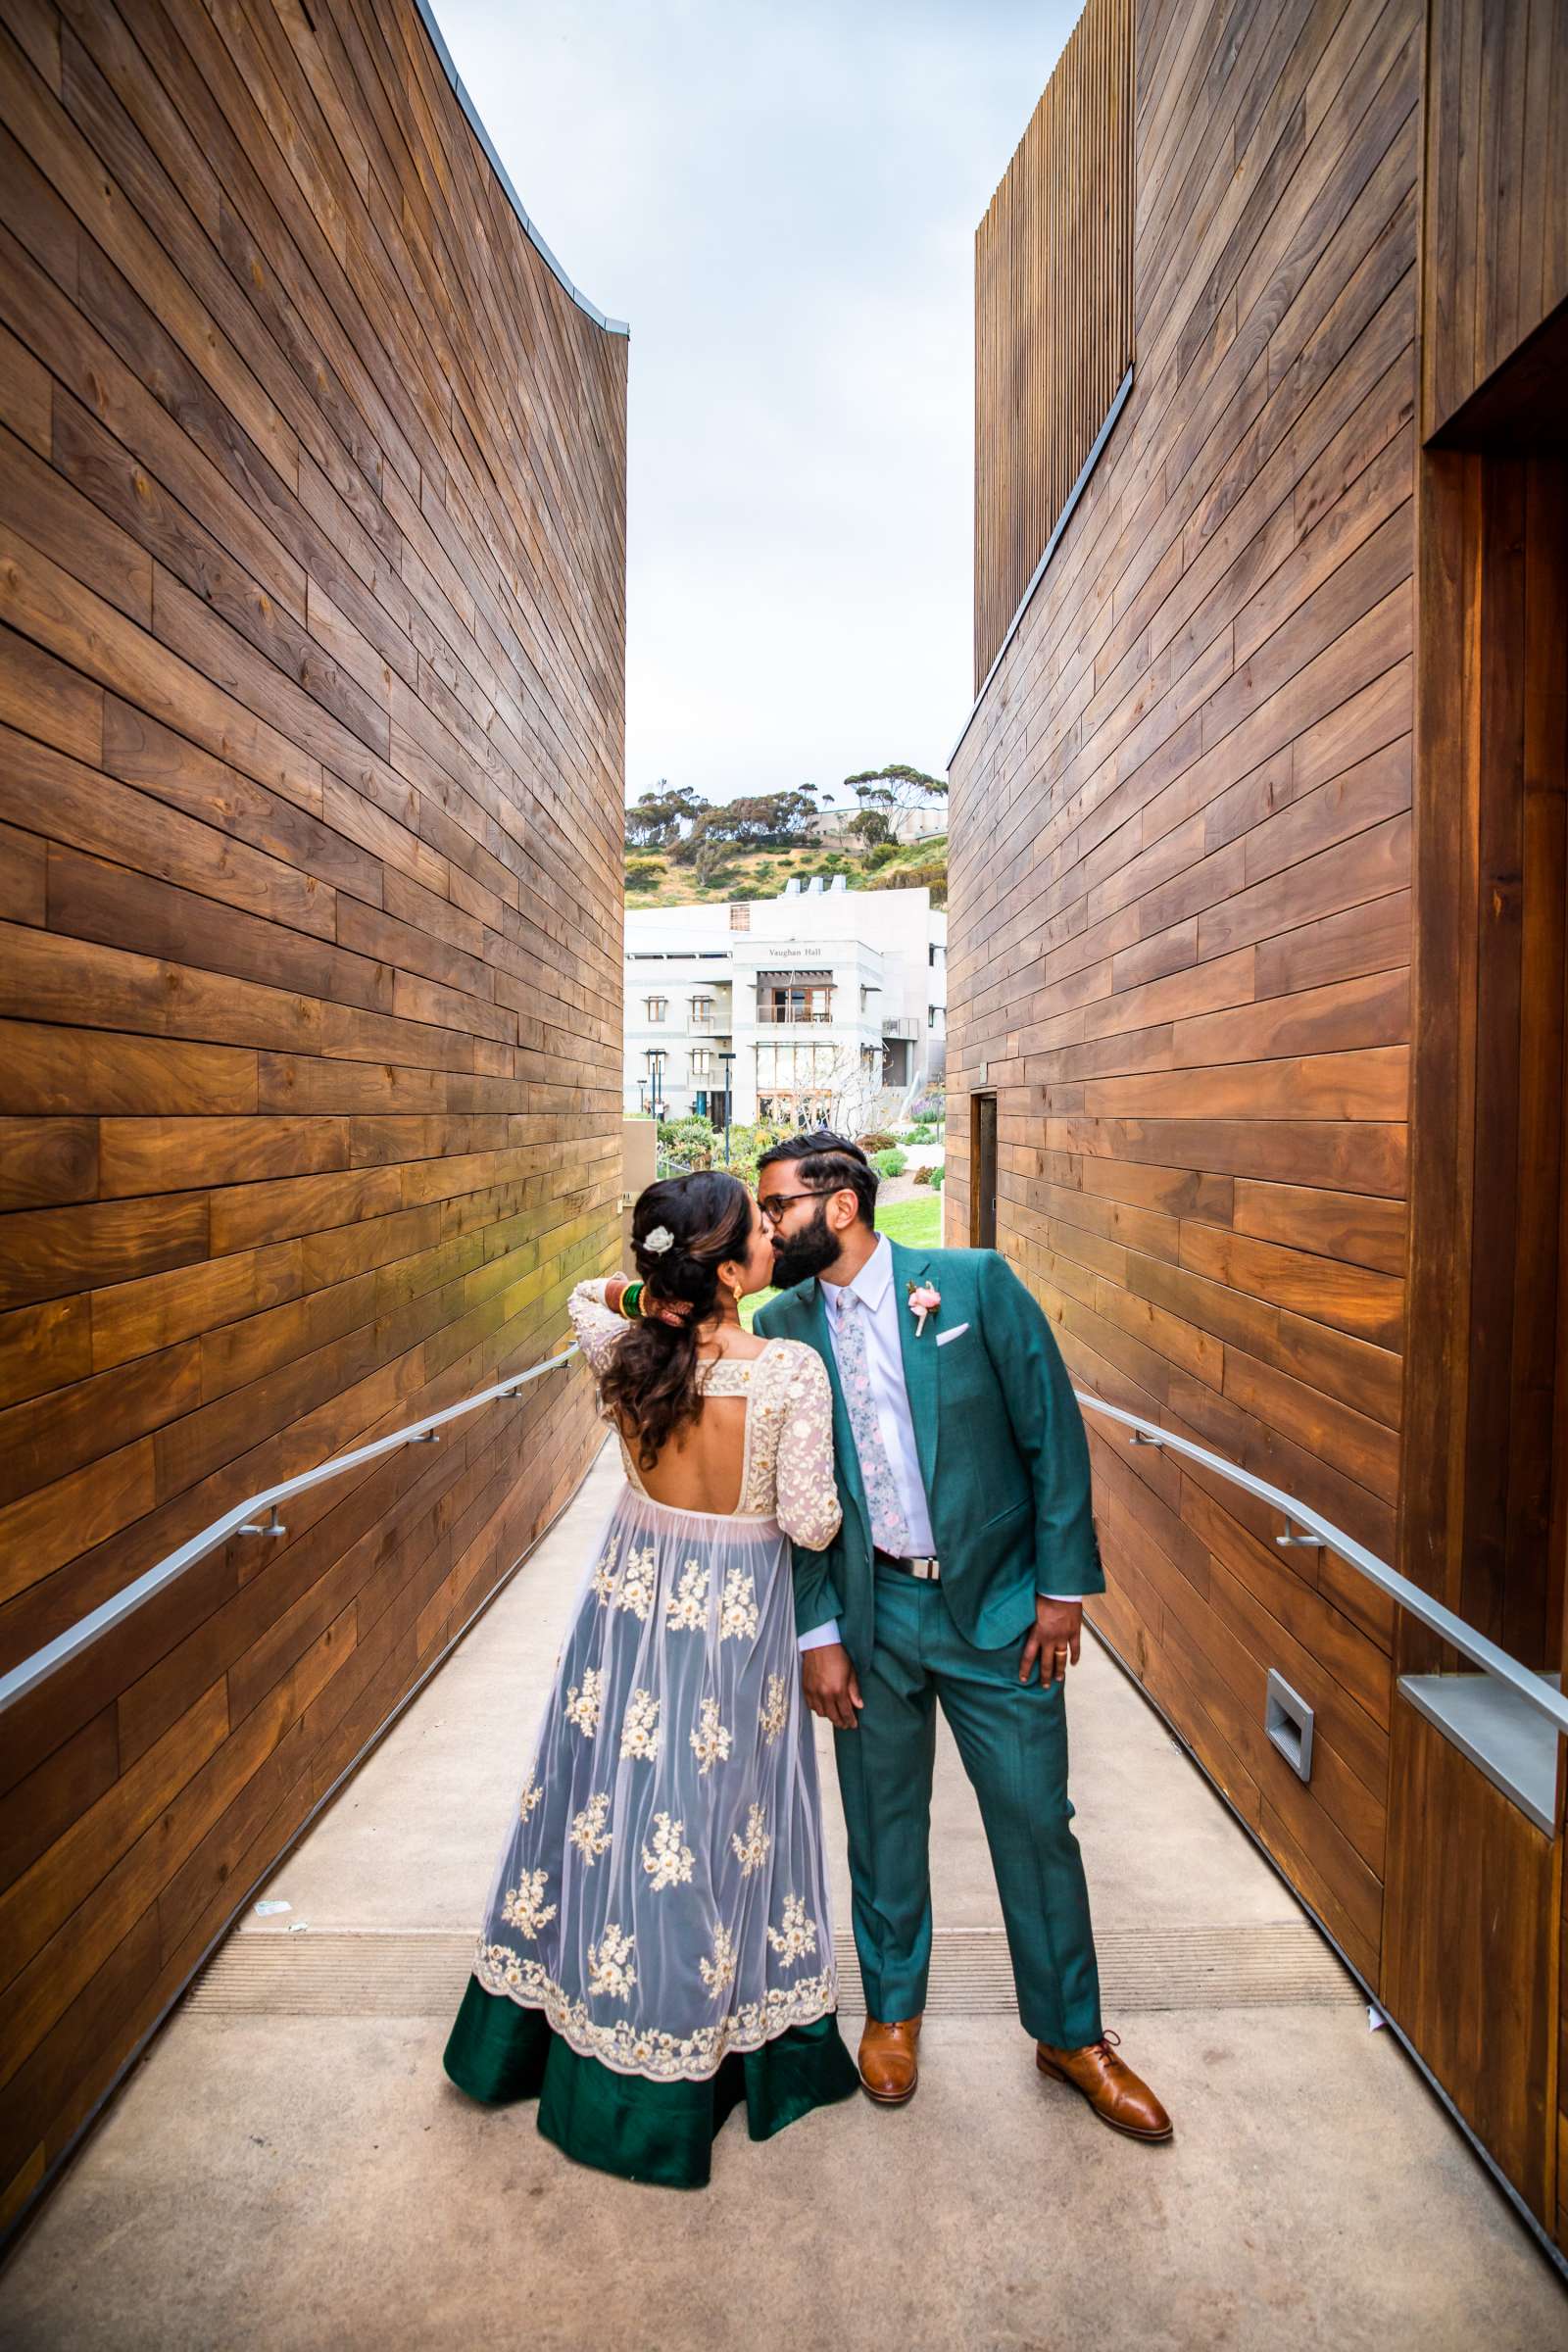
(889, 1163)
(643, 873)
(879, 1140)
(911, 877)
(923, 1175)
(883, 855)
(684, 1144)
(934, 1178)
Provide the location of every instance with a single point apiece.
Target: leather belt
(922, 1566)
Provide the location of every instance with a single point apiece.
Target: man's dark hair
(831, 1163)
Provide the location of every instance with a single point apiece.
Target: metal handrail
(244, 1519)
(1532, 1688)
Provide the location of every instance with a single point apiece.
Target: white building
(822, 1003)
(832, 827)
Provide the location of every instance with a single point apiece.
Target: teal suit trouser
(1012, 1738)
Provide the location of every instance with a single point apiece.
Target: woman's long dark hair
(651, 1385)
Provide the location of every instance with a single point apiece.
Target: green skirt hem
(499, 2051)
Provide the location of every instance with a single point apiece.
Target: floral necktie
(887, 1530)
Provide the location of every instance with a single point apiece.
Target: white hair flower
(659, 1240)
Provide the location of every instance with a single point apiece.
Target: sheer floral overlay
(663, 1895)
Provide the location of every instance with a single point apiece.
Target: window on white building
(780, 1000)
(701, 1063)
(796, 1066)
(657, 1006)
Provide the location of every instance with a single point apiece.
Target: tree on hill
(766, 821)
(897, 787)
(654, 821)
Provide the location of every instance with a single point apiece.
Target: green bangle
(631, 1301)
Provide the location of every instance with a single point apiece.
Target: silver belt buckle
(928, 1570)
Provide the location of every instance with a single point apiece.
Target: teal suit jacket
(1002, 1446)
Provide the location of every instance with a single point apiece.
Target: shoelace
(1106, 2046)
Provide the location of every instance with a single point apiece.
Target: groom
(957, 1578)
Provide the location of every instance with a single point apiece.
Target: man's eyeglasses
(771, 1211)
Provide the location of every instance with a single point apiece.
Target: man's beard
(808, 1252)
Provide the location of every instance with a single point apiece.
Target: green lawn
(917, 1224)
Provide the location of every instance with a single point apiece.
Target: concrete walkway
(289, 2169)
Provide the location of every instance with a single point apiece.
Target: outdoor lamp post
(727, 1064)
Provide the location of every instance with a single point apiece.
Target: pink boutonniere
(924, 1300)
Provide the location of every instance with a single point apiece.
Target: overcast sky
(782, 201)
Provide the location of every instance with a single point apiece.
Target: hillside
(763, 873)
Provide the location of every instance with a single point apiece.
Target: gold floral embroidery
(719, 1972)
(737, 1610)
(639, 1584)
(603, 1576)
(711, 1742)
(608, 1972)
(798, 1934)
(639, 1730)
(686, 1608)
(531, 1794)
(671, 1863)
(754, 1852)
(775, 1709)
(525, 1908)
(588, 1832)
(629, 2049)
(582, 1706)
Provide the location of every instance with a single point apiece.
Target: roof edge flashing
(612, 326)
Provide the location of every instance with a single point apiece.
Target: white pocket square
(956, 1333)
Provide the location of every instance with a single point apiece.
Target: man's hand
(829, 1683)
(1052, 1639)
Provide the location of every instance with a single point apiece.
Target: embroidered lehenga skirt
(656, 1947)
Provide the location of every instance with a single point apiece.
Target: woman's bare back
(703, 1467)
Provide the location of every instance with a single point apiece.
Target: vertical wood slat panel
(1054, 320)
(1496, 191)
(311, 659)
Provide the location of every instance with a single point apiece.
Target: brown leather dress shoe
(1112, 2089)
(890, 2065)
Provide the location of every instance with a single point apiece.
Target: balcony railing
(902, 1024)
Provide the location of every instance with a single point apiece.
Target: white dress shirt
(884, 1356)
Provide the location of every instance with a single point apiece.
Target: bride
(657, 1946)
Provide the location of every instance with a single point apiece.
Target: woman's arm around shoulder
(809, 1508)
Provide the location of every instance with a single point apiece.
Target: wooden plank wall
(1181, 866)
(1497, 189)
(1054, 325)
(311, 777)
